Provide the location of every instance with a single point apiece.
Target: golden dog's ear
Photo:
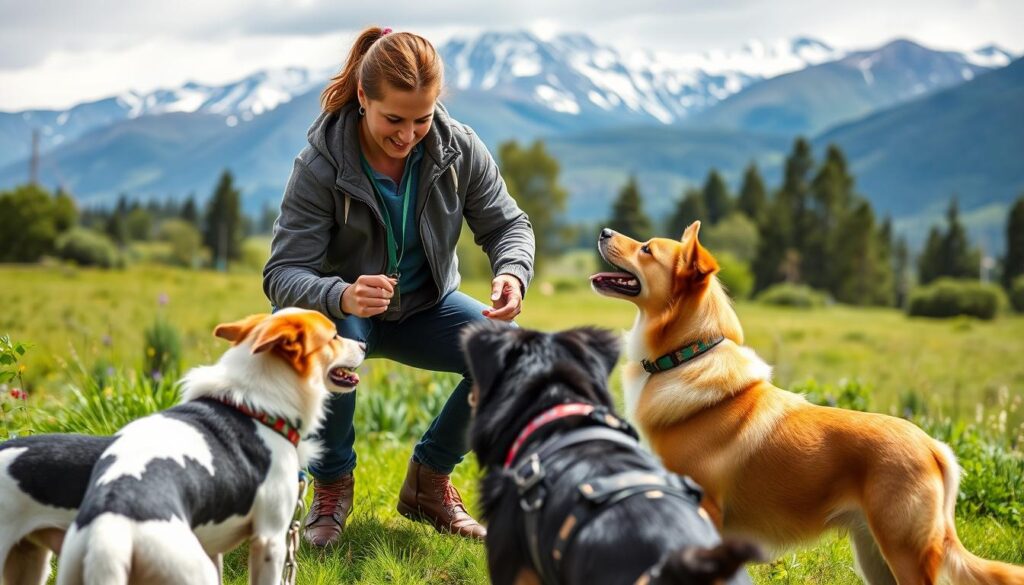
(691, 231)
(237, 331)
(699, 262)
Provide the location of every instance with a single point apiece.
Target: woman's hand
(506, 298)
(369, 295)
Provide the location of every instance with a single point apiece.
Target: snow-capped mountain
(572, 74)
(817, 97)
(243, 100)
(240, 101)
(555, 80)
(506, 86)
(989, 56)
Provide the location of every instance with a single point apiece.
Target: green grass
(379, 546)
(962, 379)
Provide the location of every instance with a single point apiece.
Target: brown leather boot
(428, 496)
(332, 502)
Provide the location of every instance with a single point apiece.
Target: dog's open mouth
(622, 283)
(343, 377)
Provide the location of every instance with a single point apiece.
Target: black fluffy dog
(569, 494)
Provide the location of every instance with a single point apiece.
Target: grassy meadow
(961, 379)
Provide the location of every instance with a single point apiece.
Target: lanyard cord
(395, 253)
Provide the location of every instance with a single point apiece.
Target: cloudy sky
(55, 53)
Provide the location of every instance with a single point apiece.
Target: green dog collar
(679, 356)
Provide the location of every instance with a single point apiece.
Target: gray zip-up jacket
(331, 231)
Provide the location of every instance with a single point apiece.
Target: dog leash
(291, 561)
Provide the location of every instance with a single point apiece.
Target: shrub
(948, 297)
(162, 356)
(1017, 294)
(736, 234)
(792, 295)
(735, 274)
(30, 222)
(186, 243)
(86, 247)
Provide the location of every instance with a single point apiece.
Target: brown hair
(403, 60)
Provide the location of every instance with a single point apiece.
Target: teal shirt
(413, 266)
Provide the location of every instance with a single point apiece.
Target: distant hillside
(596, 164)
(813, 99)
(968, 141)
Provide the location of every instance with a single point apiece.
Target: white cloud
(68, 77)
(60, 52)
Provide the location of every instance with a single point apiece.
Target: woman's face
(398, 121)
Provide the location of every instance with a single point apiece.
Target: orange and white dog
(774, 467)
(175, 490)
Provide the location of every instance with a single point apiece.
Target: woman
(367, 233)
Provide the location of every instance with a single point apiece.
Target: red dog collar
(552, 414)
(278, 424)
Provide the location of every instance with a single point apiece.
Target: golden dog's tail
(962, 567)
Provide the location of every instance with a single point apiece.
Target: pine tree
(531, 175)
(962, 261)
(628, 217)
(929, 263)
(1013, 264)
(864, 269)
(117, 227)
(190, 212)
(688, 209)
(783, 225)
(901, 272)
(795, 191)
(716, 197)
(224, 227)
(753, 196)
(65, 211)
(831, 200)
(773, 247)
(948, 253)
(268, 216)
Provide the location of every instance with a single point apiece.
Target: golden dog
(776, 468)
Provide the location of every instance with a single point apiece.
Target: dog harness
(680, 356)
(593, 495)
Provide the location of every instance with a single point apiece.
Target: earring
(362, 111)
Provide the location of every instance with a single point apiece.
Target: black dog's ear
(485, 345)
(600, 342)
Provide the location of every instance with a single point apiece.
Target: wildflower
(18, 394)
(163, 299)
(157, 376)
(108, 392)
(108, 340)
(150, 351)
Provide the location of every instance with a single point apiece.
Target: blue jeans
(427, 340)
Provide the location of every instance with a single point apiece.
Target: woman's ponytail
(405, 61)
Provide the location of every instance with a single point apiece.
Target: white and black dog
(180, 487)
(42, 481)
